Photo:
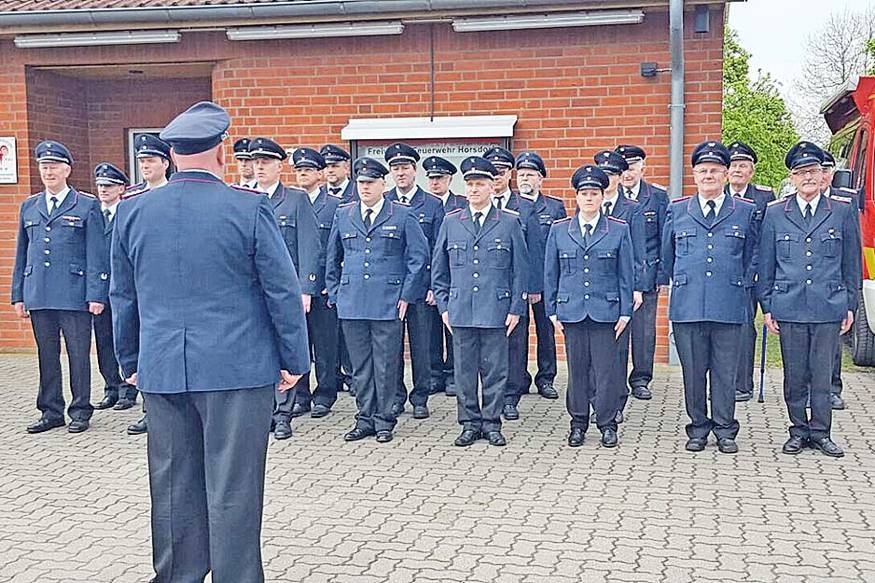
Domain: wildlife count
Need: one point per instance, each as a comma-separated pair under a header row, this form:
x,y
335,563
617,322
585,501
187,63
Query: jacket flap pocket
x,y
76,269
738,234
349,235
460,245
28,270
562,298
393,280
568,253
498,246
344,279
612,296
786,236
781,286
454,292
736,280
830,236
684,233
679,279
390,234
502,294
606,254
836,286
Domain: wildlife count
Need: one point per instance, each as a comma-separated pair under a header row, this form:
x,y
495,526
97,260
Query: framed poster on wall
x,y
8,161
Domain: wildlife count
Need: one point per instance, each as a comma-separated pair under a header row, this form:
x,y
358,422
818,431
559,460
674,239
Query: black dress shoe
x,y
547,391
642,393
123,404
78,425
397,409
45,425
609,438
298,409
727,445
139,427
794,445
421,412
282,429
836,402
319,411
741,396
384,436
106,402
826,445
451,389
696,444
357,434
467,437
575,438
510,412
496,438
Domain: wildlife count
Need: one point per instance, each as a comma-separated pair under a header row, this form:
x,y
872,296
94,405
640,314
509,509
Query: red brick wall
x,y
576,91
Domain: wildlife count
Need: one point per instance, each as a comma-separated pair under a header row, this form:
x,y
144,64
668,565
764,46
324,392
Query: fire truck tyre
x,y
862,339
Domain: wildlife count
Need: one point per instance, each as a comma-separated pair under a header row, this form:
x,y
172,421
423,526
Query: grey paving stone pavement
x,y
75,508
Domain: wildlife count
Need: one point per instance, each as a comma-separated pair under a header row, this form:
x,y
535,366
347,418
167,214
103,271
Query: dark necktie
x,y
498,202
477,224
403,199
608,208
54,206
107,216
808,213
587,231
712,211
368,221
629,194
335,190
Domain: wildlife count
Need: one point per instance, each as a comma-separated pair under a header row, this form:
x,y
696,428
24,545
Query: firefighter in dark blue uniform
x,y
654,202
530,174
439,173
809,270
244,163
429,213
589,276
111,184
297,222
338,184
619,206
708,252
480,280
322,322
743,160
207,318
374,270
850,196
59,280
505,198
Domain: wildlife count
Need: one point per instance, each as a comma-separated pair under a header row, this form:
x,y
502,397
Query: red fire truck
x,y
850,116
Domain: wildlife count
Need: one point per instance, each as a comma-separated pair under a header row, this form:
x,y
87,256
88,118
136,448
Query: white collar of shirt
x,y
802,202
60,196
378,206
613,201
636,190
827,193
718,203
339,188
314,194
111,208
531,197
408,195
739,193
164,181
505,198
484,212
271,190
444,197
592,223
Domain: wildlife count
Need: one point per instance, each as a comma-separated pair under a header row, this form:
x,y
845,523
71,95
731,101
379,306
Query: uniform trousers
x,y
376,358
48,325
481,359
708,352
207,454
106,360
418,323
808,354
591,351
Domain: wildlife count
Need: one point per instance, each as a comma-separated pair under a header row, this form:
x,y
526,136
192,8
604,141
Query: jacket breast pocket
x,y
684,241
568,261
499,254
458,251
831,243
350,240
426,223
607,261
391,241
287,222
786,244
651,223
736,238
77,270
679,279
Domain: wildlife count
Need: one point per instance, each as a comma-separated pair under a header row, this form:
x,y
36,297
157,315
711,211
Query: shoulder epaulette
x,y
36,194
347,204
616,220
781,200
245,189
85,193
764,187
746,201
434,196
850,191
511,212
454,211
563,220
659,186
681,199
840,198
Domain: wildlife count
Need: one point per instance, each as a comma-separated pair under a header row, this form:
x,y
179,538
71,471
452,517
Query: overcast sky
x,y
774,31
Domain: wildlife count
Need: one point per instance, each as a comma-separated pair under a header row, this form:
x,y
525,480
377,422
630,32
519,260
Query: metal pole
x,y
676,109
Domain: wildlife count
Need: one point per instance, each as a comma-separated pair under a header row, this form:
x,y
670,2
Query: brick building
x,y
90,72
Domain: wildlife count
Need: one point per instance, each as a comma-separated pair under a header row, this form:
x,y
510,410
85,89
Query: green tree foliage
x,y
870,49
755,113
